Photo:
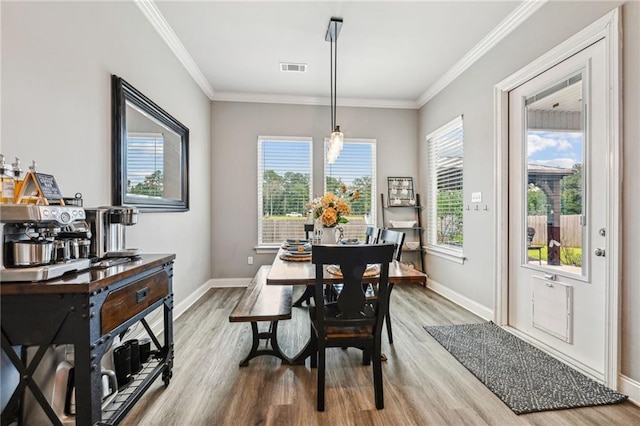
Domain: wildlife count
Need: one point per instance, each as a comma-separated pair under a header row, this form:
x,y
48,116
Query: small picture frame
x,y
401,191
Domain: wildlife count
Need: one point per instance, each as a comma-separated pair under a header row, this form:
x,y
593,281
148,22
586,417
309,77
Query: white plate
x,y
297,253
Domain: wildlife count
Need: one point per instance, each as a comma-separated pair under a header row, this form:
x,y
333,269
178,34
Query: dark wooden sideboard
x,y
88,310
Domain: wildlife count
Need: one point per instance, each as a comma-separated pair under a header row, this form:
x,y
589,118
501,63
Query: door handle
x,y
551,277
599,252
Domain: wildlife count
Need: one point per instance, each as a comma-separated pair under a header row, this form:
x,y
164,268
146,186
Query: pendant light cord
x,y
335,79
331,83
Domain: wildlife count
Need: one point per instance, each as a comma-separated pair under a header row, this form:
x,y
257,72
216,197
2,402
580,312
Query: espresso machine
x,y
108,237
41,242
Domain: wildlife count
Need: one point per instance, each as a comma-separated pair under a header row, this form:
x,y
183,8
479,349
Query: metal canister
x,y
61,250
80,248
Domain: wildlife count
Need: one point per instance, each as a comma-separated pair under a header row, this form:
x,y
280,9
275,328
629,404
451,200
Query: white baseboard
x,y
629,387
229,282
463,301
158,325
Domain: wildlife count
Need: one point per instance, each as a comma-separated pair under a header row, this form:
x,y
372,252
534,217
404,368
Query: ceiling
x,y
392,54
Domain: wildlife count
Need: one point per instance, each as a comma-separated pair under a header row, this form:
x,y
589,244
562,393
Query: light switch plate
x,y
476,197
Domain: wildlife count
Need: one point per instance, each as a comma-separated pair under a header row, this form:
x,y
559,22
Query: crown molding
x,y
511,22
151,12
515,18
312,100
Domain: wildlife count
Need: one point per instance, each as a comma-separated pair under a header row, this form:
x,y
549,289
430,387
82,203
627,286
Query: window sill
x,y
452,255
266,249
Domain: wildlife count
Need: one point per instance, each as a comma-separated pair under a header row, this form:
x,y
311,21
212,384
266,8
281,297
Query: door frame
x,y
607,28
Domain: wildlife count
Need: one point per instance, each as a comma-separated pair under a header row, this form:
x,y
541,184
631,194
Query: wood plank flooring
x,y
423,383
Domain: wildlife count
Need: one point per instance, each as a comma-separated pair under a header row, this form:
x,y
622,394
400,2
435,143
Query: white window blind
x,y
145,164
356,169
284,188
445,203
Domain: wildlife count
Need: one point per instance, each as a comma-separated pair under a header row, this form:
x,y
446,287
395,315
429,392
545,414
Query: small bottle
x,y
17,175
7,183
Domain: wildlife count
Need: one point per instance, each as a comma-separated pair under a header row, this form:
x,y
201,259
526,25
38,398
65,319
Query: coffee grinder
x,y
108,237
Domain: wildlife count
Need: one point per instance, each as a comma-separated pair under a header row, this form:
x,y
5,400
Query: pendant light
x,y
336,141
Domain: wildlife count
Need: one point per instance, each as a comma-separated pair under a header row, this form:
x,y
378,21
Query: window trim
x,y
445,251
270,247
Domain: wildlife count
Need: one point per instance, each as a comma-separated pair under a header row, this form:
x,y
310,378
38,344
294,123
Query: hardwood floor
x,y
423,383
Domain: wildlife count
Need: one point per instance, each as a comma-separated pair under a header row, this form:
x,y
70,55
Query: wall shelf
x,y
414,233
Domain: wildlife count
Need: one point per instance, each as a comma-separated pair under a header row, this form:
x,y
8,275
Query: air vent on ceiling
x,y
291,67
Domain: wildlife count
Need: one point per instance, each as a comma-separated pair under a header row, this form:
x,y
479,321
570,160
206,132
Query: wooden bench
x,y
262,302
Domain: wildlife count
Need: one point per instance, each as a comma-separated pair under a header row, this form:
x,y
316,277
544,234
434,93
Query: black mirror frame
x,y
121,92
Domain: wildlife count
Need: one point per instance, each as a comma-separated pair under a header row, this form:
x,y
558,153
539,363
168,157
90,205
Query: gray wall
x,y
630,191
472,95
57,61
234,134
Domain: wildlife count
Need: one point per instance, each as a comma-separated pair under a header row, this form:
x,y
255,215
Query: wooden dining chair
x,y
397,239
371,235
352,320
308,292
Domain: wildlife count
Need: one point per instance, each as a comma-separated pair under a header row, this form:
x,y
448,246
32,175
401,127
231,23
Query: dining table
x,y
297,272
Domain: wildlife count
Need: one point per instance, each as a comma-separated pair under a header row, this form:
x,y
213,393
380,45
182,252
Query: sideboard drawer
x,y
125,302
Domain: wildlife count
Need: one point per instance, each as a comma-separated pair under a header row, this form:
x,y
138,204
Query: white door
x,y
557,293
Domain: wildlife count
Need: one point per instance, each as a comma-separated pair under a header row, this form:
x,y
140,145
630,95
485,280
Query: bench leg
x,y
305,297
271,336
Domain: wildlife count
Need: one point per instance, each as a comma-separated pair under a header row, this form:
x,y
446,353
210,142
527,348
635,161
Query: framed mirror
x,y
150,153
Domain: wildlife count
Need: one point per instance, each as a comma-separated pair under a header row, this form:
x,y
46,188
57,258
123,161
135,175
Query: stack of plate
x,y
293,243
304,250
297,249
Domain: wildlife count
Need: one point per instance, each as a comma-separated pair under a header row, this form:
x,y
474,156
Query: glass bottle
x,y
7,183
17,175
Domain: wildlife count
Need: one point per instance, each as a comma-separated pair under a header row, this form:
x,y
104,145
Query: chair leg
x,y
366,356
377,376
321,368
387,317
314,349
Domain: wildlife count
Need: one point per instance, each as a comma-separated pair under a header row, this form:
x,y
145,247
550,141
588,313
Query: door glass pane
x,y
553,232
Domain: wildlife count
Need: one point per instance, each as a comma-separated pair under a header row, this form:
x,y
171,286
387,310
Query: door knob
x,y
599,252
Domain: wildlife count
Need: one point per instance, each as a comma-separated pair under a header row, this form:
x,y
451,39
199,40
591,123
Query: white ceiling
x,y
389,53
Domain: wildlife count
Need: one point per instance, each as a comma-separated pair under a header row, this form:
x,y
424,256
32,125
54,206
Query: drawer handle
x,y
142,294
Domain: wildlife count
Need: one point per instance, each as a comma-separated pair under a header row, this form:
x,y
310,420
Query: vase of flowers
x,y
329,211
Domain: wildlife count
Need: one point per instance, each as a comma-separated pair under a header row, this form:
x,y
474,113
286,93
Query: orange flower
x,y
329,216
331,209
328,199
342,207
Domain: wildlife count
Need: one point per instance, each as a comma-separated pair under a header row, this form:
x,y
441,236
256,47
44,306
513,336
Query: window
x,y
444,192
145,164
356,169
284,188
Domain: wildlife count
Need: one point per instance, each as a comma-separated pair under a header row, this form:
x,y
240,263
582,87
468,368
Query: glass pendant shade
x,y
337,138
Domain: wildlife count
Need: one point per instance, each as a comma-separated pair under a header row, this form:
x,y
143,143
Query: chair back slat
x,y
388,236
372,234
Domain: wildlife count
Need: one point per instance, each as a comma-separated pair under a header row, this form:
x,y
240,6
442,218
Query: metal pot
x,y
32,253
